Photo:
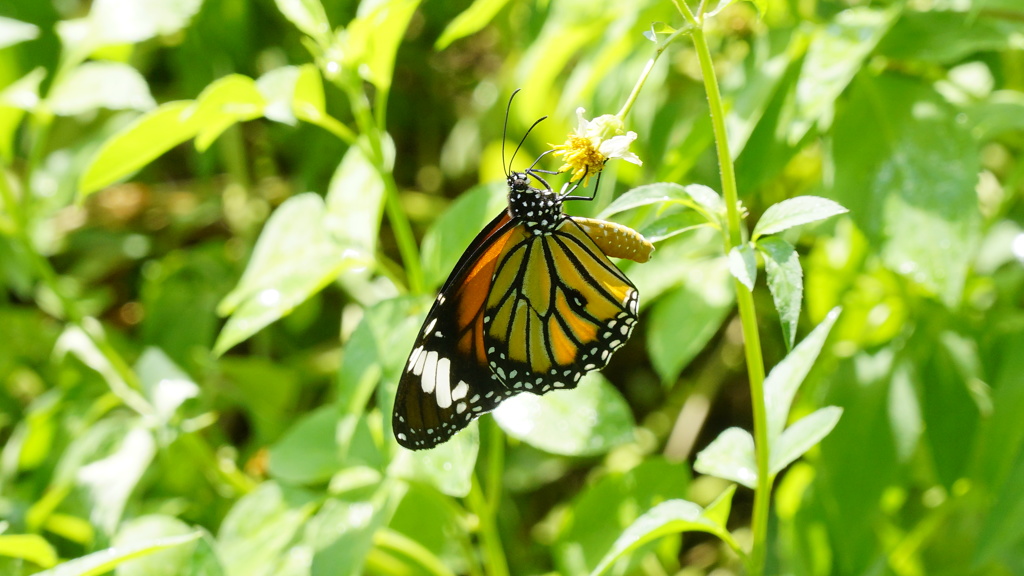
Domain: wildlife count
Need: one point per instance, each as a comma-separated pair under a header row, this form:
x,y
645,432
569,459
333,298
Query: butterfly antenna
x,y
504,130
530,129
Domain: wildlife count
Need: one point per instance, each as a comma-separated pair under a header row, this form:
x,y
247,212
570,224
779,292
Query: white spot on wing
x,y
444,384
460,391
429,372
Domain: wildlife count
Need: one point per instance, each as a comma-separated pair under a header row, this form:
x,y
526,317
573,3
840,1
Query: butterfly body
x,y
533,305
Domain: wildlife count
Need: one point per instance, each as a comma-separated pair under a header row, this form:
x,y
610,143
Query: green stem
x,y
647,72
496,564
734,236
400,225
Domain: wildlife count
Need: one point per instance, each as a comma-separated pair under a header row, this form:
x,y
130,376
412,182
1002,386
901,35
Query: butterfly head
x,y
538,209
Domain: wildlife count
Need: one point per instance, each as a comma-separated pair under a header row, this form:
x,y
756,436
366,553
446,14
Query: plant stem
x,y
496,563
647,72
734,236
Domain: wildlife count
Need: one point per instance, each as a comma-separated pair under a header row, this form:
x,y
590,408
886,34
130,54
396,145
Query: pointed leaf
x,y
718,510
730,456
31,547
470,21
355,202
743,265
694,195
99,563
447,467
374,36
803,435
670,517
308,16
673,224
589,420
783,381
139,144
15,32
294,258
166,385
95,85
794,212
785,281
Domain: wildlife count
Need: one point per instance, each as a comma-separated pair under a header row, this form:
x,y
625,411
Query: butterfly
x,y
532,305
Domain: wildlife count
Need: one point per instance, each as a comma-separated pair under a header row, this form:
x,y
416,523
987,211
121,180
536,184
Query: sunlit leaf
x,y
786,377
294,258
355,202
138,144
260,526
470,21
910,182
589,420
31,547
448,467
112,22
95,85
374,36
166,385
785,281
836,52
187,559
667,192
110,481
226,101
801,436
794,212
99,563
308,453
730,456
946,36
15,32
743,265
308,16
671,517
673,224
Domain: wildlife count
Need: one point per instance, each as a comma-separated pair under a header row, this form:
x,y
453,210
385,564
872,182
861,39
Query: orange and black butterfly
x,y
533,305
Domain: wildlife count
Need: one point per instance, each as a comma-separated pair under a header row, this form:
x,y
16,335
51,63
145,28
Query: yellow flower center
x,y
580,156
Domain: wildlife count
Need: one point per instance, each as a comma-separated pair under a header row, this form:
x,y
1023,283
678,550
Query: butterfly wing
x,y
447,381
558,309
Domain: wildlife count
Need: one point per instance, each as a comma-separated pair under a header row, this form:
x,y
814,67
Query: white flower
x,y
593,143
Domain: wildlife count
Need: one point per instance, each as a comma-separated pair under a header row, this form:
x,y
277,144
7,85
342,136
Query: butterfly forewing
x,y
446,381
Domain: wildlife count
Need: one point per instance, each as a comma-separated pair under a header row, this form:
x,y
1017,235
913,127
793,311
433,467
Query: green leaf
x,y
910,182
447,467
110,481
278,88
308,452
373,38
683,321
188,559
15,100
801,436
453,231
947,36
673,224
785,281
294,258
15,32
589,531
1001,112
592,419
743,265
115,22
694,195
99,563
139,144
309,17
786,377
95,85
355,203
259,527
1004,525
31,547
730,456
226,101
166,385
836,53
718,510
671,517
342,533
795,212
470,21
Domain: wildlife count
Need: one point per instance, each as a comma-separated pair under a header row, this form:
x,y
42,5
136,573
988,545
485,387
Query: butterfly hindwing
x,y
565,310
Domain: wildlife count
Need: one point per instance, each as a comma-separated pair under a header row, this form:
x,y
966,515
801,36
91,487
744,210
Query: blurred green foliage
x,y
222,223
